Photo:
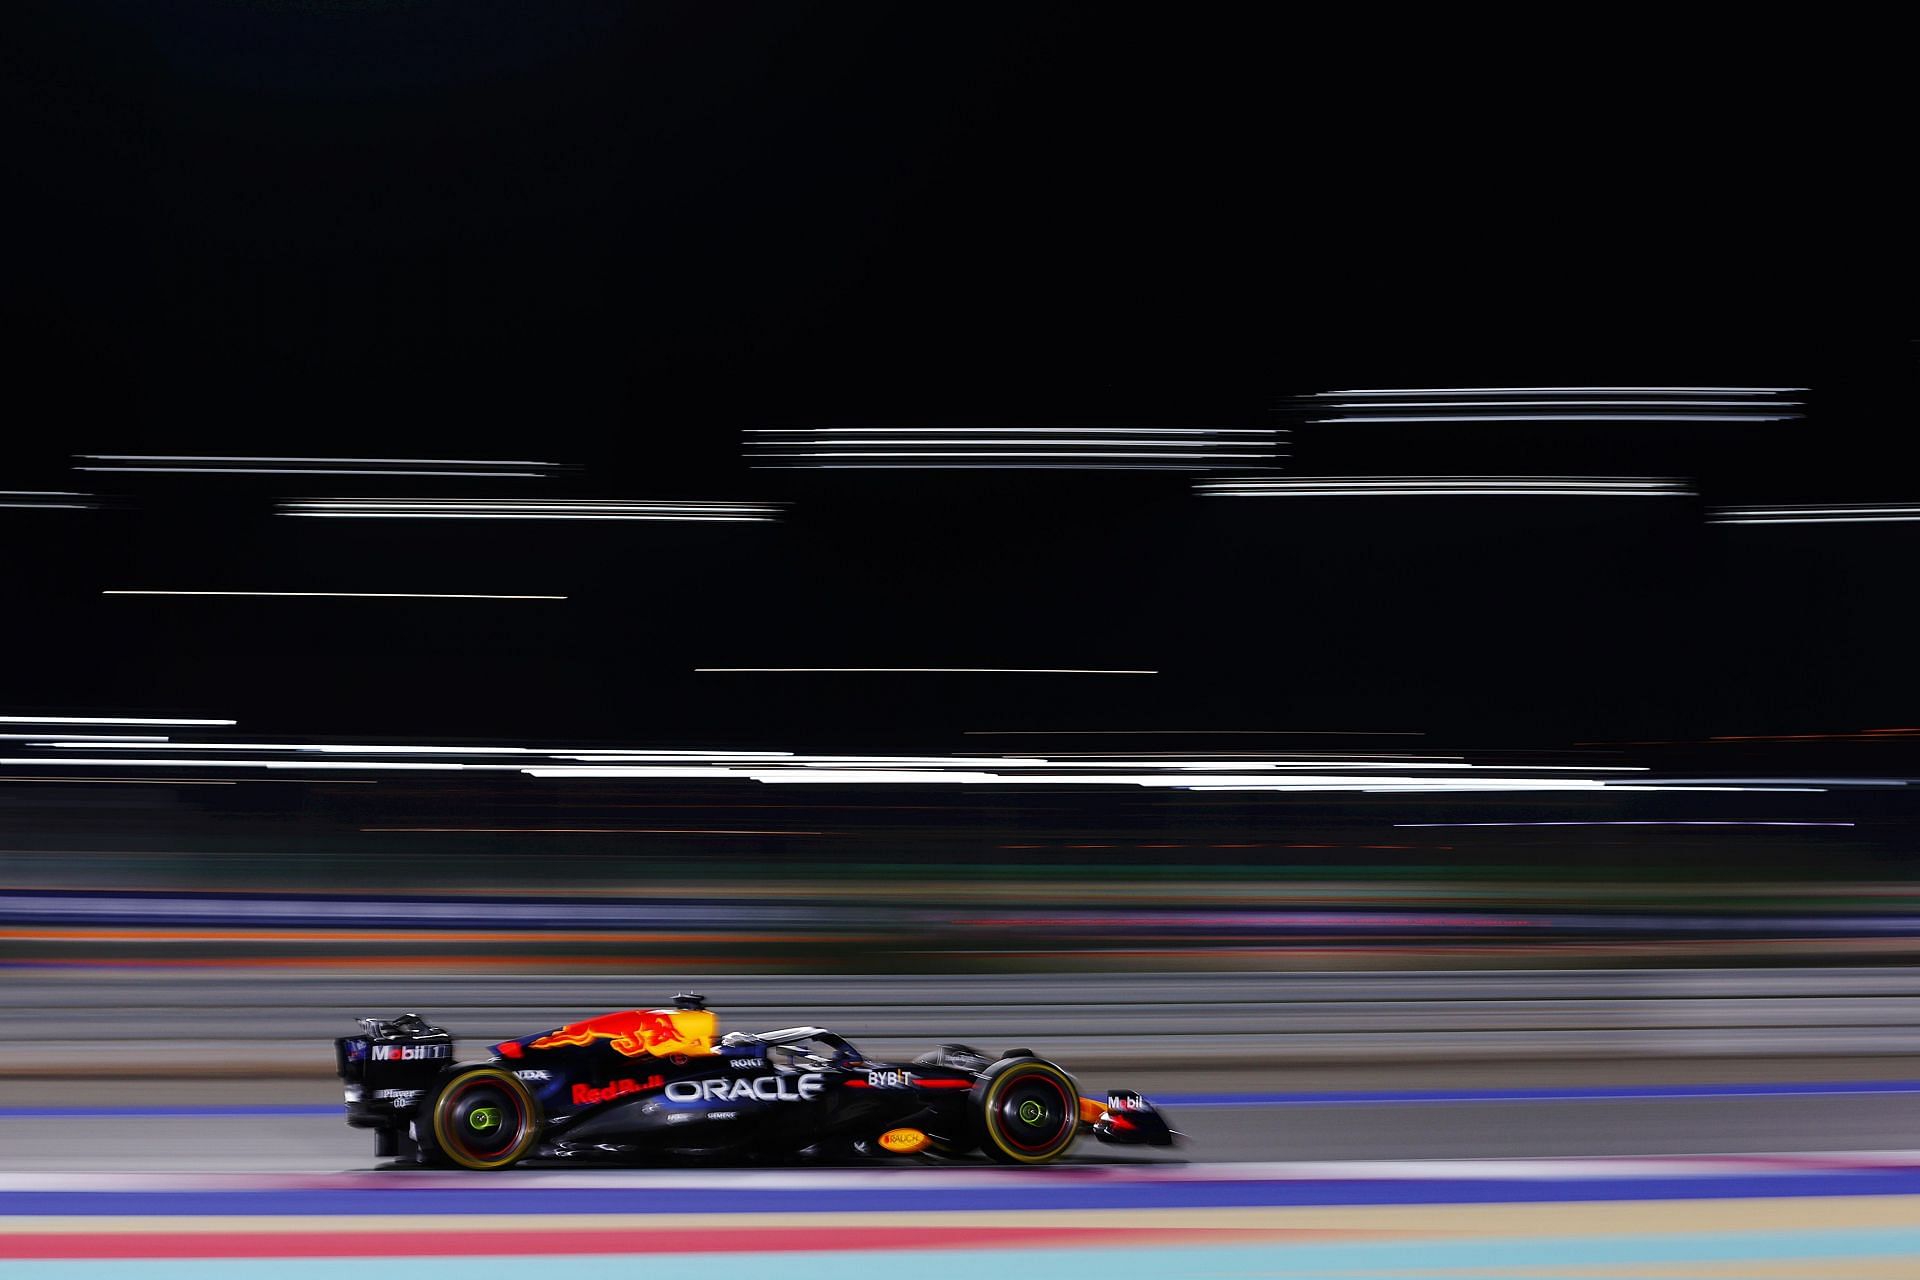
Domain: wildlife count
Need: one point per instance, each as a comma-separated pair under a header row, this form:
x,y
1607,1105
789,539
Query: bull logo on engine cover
x,y
637,1032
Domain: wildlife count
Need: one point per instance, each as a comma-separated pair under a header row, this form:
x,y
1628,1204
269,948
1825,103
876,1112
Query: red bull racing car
x,y
646,1084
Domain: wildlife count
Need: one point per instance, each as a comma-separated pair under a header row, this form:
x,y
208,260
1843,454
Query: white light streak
x,y
1318,759
1193,782
640,756
38,500
636,757
132,782
992,431
1814,782
372,764
103,720
530,504
978,453
1036,447
1218,775
1197,446
835,762
1040,671
397,462
1370,782
175,763
666,760
46,738
1565,417
249,465
986,466
1847,513
1138,733
1003,762
517,509
1556,404
312,471
1285,482
514,515
821,776
631,771
1420,785
340,595
706,763
1501,391
606,831
1298,774
65,741
558,753
1444,486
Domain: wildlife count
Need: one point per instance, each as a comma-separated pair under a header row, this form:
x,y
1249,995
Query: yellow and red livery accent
x,y
639,1032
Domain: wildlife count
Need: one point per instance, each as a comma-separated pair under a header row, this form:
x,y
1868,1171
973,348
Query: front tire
x,y
1025,1111
479,1118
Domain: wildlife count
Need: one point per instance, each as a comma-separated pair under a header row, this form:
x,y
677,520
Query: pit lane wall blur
x,y
253,854
814,922
72,1022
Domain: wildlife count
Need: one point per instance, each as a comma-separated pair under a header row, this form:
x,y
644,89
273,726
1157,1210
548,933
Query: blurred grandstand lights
x,y
1298,773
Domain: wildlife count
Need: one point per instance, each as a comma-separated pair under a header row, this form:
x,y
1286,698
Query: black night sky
x,y
619,236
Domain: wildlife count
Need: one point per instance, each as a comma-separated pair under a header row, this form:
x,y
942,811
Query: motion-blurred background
x,y
617,497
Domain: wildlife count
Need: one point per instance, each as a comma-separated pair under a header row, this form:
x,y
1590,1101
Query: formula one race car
x,y
655,1083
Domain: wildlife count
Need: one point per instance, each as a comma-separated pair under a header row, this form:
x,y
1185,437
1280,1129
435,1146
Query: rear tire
x,y
1025,1111
479,1118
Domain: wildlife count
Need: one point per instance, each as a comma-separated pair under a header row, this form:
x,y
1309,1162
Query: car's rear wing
x,y
388,1069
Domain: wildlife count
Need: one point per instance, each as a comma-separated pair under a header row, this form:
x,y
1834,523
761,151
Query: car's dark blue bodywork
x,y
638,1085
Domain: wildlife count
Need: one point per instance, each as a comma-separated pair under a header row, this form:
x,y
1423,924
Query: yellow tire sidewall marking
x,y
513,1085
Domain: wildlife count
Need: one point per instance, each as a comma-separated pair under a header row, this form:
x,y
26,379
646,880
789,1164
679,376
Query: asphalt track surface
x,y
1743,1168
295,1125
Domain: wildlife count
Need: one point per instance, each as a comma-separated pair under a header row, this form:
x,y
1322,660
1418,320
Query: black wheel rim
x,y
484,1118
1033,1111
